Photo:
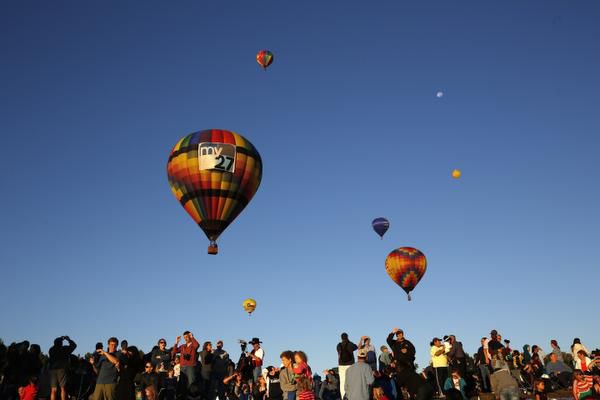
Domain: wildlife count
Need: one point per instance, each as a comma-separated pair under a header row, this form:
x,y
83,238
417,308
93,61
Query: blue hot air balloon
x,y
380,225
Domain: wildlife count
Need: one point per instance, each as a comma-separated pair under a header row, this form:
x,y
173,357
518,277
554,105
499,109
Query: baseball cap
x,y
362,353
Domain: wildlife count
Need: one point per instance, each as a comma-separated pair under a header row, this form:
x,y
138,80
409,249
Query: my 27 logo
x,y
216,156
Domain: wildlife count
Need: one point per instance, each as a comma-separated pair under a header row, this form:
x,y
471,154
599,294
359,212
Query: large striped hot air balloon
x,y
406,266
214,174
264,58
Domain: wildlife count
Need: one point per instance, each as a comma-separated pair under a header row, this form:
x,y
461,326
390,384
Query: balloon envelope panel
x,y
406,266
214,197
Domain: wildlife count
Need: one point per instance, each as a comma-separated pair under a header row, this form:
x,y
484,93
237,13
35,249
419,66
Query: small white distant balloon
x,y
439,94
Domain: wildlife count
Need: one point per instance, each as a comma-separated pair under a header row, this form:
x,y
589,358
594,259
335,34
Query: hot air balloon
x,y
456,173
380,225
249,305
214,174
264,58
406,266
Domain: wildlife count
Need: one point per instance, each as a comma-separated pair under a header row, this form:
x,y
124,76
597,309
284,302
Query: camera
x,y
187,357
506,341
243,345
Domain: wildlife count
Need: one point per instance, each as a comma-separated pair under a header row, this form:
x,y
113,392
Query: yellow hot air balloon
x,y
456,173
249,305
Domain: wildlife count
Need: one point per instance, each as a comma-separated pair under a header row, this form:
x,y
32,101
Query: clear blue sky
x,y
94,94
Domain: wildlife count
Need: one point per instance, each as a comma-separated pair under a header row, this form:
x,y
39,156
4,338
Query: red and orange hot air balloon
x,y
406,266
264,58
214,174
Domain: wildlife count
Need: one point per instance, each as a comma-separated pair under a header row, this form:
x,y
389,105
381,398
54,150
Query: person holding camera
x,y
57,364
106,366
189,357
439,362
456,355
345,350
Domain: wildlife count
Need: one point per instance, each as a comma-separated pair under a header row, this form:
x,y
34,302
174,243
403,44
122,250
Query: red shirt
x,y
29,392
306,395
583,386
186,350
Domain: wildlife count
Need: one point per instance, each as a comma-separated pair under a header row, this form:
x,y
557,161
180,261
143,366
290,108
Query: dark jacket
x,y
60,356
345,350
456,351
406,358
163,357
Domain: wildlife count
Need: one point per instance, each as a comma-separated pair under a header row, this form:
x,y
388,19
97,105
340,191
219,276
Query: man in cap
x,y
258,355
345,350
494,343
358,378
404,351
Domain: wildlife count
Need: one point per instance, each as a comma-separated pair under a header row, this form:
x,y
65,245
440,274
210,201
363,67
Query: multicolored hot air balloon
x,y
406,266
249,305
214,174
456,173
380,225
264,58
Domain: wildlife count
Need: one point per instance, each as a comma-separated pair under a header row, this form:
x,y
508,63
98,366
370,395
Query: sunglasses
x,y
162,342
148,366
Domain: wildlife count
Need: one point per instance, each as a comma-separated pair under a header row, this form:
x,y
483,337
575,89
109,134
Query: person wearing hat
x,y
439,362
504,385
358,378
345,350
258,355
494,343
365,343
403,350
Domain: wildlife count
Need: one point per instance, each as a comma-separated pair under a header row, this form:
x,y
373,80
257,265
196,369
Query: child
x,y
300,366
539,390
304,388
455,381
378,394
30,391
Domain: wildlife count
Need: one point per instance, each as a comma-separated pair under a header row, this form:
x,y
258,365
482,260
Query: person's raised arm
x,y
175,348
72,344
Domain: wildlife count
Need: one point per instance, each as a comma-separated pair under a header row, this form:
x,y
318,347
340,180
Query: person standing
x,y
359,377
482,361
189,357
219,369
365,343
57,364
456,355
107,371
161,356
258,355
403,350
439,362
206,358
287,380
345,350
